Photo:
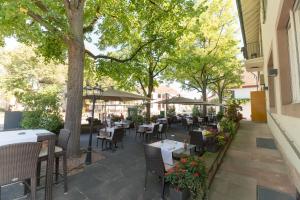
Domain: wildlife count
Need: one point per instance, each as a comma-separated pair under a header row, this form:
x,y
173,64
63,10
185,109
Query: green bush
x,y
154,118
138,119
196,112
232,111
220,115
228,125
171,112
42,110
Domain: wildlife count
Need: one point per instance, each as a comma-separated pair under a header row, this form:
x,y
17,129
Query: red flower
x,y
183,160
194,164
183,170
196,174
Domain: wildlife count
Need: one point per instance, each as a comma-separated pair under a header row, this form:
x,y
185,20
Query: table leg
x,y
49,169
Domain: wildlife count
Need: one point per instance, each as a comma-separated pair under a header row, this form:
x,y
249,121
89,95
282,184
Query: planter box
x,y
213,148
179,195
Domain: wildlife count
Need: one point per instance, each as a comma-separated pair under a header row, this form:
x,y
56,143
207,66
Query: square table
x,y
169,147
34,135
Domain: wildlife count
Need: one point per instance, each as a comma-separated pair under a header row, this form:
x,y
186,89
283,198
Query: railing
x,y
252,50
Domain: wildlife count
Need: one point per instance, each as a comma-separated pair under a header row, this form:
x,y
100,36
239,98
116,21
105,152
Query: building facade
x,y
271,35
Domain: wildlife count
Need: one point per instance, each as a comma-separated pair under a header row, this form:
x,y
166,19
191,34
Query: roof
x,y
249,14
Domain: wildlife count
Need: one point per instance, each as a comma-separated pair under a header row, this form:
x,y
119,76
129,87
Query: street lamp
x,y
92,93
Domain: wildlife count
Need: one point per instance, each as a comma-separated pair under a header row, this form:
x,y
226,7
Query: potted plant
x,y
187,178
221,141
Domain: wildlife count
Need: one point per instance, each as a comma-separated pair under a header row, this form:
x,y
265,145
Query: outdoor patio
x,y
120,174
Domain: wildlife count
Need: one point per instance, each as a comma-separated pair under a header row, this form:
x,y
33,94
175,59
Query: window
x,y
293,30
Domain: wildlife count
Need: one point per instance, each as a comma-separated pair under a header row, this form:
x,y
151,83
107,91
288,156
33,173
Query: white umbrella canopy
x,y
187,101
112,94
179,100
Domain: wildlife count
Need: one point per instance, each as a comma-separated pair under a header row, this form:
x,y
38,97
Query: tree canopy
x,y
207,54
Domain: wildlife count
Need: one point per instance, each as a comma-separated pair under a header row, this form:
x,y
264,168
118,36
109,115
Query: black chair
x,y
116,138
19,163
196,122
60,151
130,127
196,138
163,131
185,124
155,165
152,133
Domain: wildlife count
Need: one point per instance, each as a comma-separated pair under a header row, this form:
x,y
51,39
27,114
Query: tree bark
x,y
220,95
204,98
75,79
149,95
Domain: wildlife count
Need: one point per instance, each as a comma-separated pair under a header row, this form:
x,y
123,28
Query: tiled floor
x,y
245,166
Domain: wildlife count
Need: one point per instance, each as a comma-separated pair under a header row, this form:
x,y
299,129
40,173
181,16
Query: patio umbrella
x,y
112,94
179,100
187,101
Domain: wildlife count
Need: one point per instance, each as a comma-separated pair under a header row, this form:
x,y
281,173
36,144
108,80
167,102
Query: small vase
x,y
178,194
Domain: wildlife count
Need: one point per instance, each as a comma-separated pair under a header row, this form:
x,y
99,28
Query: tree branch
x,y
101,56
89,28
41,21
142,86
162,69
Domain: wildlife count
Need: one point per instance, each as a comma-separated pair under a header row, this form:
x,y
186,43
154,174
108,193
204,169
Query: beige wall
x,y
290,125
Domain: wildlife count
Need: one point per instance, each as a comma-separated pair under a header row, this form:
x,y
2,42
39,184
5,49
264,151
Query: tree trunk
x,y
148,108
220,95
75,79
149,95
204,98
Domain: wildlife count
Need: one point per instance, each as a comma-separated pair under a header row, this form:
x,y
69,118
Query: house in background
x,y
250,84
271,35
161,93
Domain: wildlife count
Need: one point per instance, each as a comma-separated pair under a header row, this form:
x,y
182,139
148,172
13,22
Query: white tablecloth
x,y
189,121
20,136
109,131
123,124
167,147
149,127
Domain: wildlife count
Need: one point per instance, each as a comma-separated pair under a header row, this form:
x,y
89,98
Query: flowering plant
x,y
221,140
188,174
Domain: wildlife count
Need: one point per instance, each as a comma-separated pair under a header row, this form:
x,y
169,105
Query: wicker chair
x,y
163,131
116,138
196,138
155,165
19,163
60,151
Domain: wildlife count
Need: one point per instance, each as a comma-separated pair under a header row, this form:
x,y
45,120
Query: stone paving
x,y
245,166
120,175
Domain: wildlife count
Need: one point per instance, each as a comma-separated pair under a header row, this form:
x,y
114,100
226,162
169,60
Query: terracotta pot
x,y
178,194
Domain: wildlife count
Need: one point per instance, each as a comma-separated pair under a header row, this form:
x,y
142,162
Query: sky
x,y
11,43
